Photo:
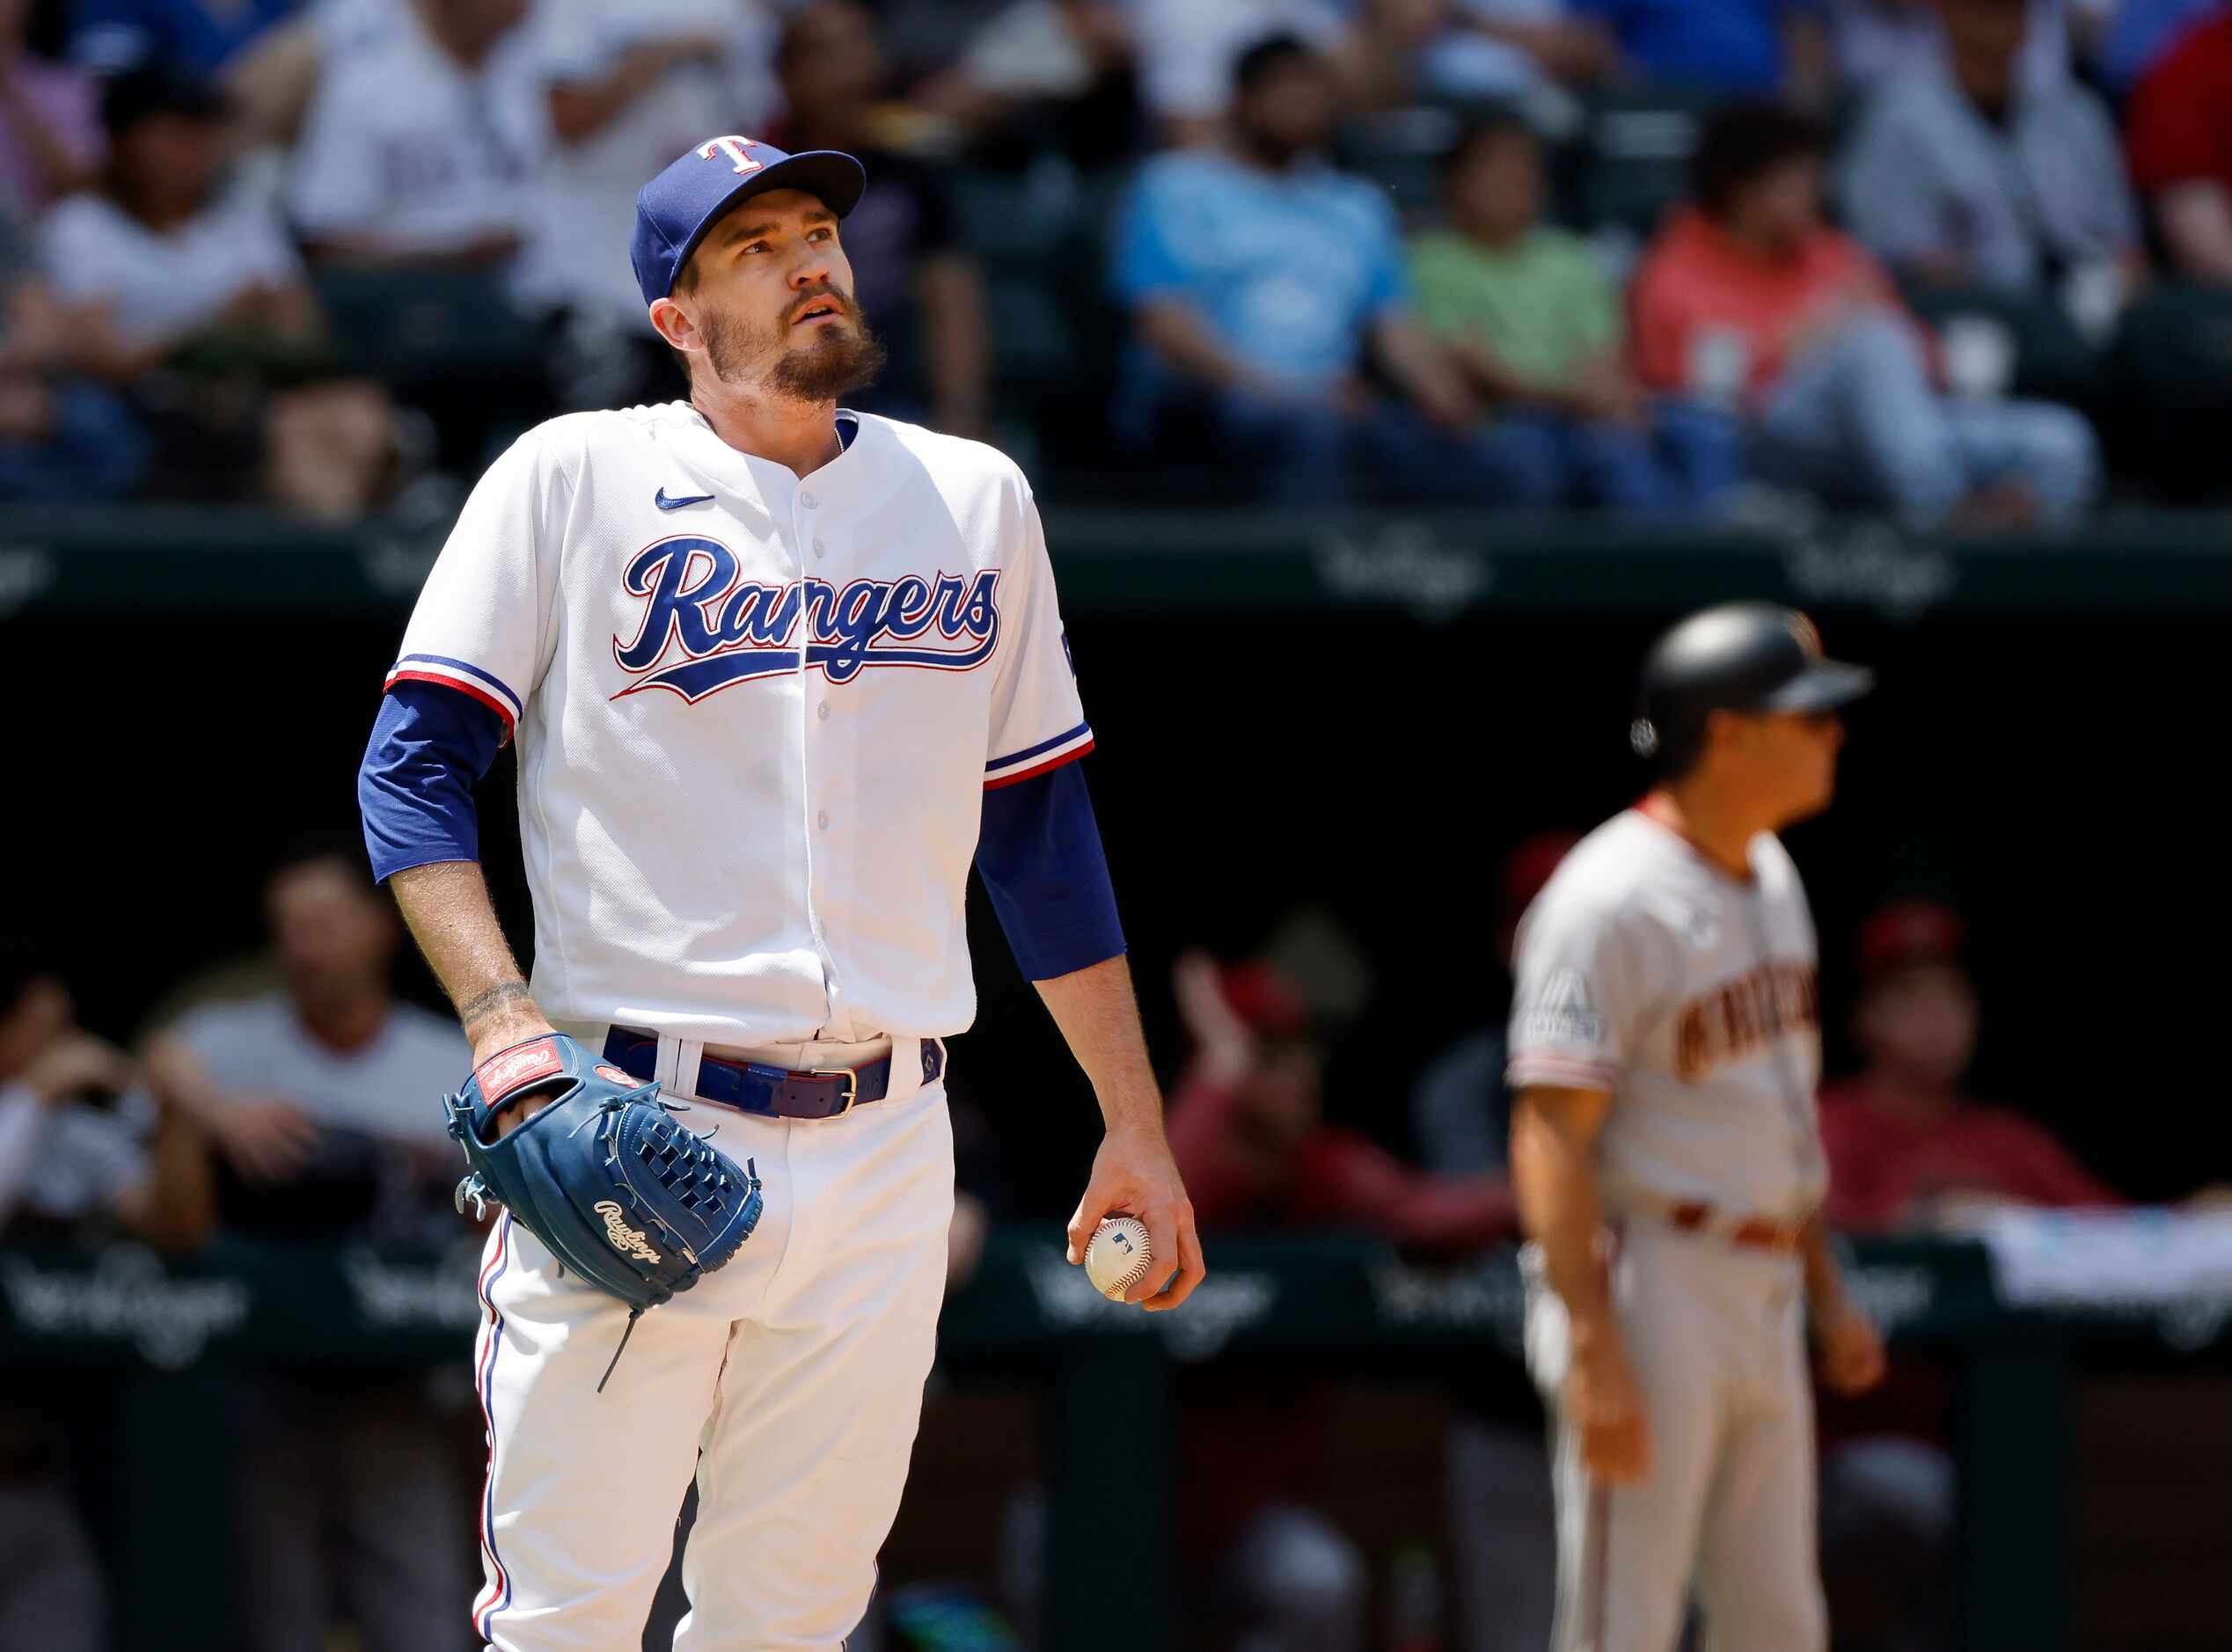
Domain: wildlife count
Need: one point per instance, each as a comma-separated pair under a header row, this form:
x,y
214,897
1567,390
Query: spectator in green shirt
x,y
1535,325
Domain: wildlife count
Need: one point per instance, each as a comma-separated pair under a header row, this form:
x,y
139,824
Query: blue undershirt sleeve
x,y
1039,851
428,747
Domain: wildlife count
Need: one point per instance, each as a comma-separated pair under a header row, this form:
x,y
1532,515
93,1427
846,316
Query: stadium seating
x,y
2172,365
1631,162
2051,359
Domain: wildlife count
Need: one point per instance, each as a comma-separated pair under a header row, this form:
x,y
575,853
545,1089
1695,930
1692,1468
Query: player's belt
x,y
771,1092
1756,1232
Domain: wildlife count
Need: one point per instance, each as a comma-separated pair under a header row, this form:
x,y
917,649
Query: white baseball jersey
x,y
402,142
1646,971
164,284
756,714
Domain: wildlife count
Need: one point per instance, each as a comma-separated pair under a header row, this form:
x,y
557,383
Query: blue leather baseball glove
x,y
622,1194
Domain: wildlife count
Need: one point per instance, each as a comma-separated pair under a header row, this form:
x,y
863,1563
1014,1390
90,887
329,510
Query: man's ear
x,y
673,324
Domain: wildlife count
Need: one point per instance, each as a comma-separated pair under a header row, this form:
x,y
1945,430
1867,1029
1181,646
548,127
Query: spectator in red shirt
x,y
1906,1148
2180,127
1247,1131
1750,300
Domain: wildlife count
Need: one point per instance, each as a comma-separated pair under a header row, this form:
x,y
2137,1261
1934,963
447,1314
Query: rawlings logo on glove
x,y
625,1197
625,1237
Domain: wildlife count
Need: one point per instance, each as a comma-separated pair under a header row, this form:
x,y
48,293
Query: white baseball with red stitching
x,y
1117,1257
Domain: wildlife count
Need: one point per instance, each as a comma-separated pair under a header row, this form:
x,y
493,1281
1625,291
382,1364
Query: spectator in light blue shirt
x,y
1259,280
1751,49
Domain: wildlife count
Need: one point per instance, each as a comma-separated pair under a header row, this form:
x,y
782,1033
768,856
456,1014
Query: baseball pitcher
x,y
777,673
1666,1046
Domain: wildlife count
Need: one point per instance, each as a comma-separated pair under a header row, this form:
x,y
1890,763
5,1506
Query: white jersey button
x,y
806,499
823,819
823,711
820,549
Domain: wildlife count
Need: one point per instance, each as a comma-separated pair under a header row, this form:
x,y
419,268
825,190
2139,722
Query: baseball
x,y
1115,1257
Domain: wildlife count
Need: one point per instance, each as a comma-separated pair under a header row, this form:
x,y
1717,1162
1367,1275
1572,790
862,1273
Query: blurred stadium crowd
x,y
1965,261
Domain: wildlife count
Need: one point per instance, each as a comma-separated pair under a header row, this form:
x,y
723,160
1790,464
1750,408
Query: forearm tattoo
x,y
481,1005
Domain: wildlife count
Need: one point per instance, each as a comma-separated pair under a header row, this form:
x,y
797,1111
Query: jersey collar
x,y
853,476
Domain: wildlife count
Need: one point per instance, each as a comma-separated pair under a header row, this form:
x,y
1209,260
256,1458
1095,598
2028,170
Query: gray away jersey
x,y
1647,972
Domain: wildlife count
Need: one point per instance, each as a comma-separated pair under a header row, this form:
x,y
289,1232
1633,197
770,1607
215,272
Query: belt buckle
x,y
852,1077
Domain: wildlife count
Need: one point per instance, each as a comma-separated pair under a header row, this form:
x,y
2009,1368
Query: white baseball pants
x,y
789,1384
1716,1334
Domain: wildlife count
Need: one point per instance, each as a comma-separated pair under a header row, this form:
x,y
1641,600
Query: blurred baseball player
x,y
1665,1045
777,672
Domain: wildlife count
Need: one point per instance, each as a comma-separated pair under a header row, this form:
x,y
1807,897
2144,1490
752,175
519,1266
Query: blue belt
x,y
771,1092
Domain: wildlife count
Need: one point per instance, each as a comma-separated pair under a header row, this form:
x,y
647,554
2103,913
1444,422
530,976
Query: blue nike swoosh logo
x,y
664,503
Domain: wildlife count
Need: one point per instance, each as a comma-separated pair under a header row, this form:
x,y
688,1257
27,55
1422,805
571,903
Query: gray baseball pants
x,y
1716,1334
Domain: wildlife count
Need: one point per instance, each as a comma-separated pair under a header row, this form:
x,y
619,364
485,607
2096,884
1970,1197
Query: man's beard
x,y
837,360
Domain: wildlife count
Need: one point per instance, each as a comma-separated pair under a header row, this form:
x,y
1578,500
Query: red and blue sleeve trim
x,y
466,677
1032,760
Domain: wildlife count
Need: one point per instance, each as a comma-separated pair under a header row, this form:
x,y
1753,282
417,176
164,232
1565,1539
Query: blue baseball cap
x,y
675,209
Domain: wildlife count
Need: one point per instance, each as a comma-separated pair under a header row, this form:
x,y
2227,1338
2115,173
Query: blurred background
x,y
1479,338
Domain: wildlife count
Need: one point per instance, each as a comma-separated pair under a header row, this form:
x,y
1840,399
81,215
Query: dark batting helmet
x,y
1739,657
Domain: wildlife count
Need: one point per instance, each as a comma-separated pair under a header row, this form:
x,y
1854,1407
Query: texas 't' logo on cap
x,y
733,148
675,209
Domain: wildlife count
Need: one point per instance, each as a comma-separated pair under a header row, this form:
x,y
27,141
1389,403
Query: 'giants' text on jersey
x,y
1735,1017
